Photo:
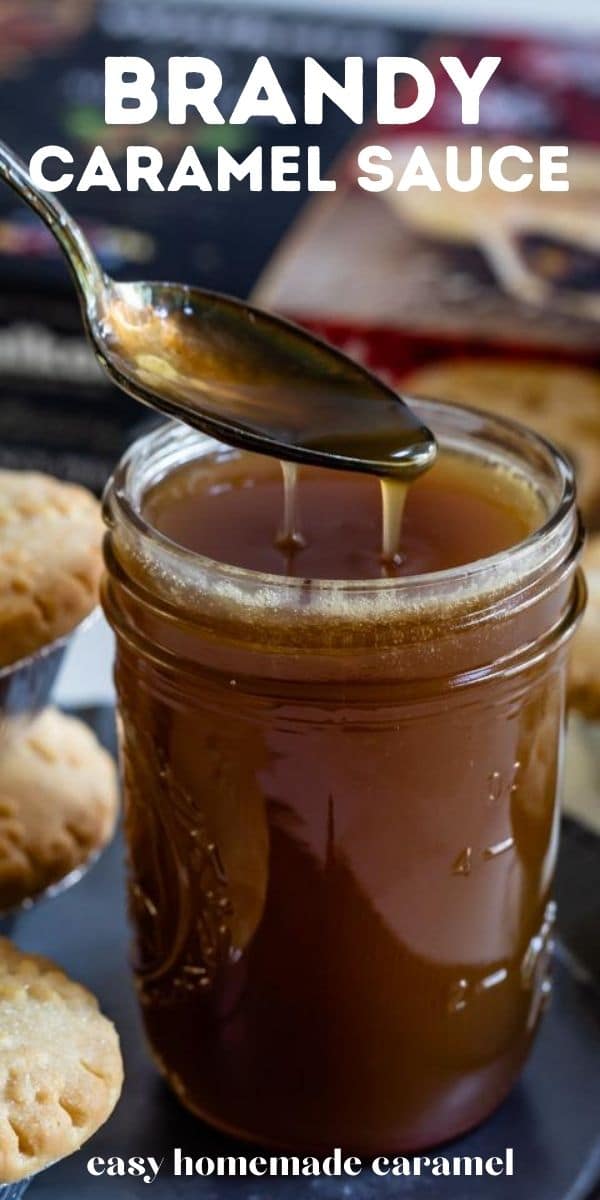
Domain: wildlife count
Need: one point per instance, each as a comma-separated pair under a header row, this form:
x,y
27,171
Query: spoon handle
x,y
86,270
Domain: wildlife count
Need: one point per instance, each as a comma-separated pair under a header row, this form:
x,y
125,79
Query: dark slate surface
x,y
551,1119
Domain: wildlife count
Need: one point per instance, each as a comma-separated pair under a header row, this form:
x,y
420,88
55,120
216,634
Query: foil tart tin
x,y
14,1191
26,685
9,918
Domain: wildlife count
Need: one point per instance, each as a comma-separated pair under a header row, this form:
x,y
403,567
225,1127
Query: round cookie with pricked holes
x,y
581,784
584,663
558,400
61,1071
50,560
58,802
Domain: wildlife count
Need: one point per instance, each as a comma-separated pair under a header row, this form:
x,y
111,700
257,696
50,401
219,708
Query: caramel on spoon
x,y
244,376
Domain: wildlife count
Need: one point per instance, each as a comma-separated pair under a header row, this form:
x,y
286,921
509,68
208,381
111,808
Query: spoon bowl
x,y
254,380
242,375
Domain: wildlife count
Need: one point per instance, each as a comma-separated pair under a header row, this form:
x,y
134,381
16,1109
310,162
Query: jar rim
x,y
172,444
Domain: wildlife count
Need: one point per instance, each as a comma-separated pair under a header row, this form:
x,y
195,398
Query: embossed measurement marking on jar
x,y
464,862
499,848
464,991
501,786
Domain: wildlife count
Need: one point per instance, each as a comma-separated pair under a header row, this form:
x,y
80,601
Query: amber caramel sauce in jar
x,y
341,780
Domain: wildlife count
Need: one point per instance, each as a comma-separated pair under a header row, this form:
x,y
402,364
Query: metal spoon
x,y
242,375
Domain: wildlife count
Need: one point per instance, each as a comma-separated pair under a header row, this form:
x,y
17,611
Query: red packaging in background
x,y
486,297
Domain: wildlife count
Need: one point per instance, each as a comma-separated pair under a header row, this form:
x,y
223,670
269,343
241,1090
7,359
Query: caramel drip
x,y
393,500
289,540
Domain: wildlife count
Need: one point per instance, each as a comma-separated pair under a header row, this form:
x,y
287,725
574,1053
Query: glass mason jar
x,y
341,814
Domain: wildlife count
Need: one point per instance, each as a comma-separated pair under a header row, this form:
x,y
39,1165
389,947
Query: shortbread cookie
x,y
559,401
61,1071
50,560
58,803
581,784
584,669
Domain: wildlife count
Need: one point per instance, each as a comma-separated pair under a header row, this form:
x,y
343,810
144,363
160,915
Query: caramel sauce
x,y
230,510
341,839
